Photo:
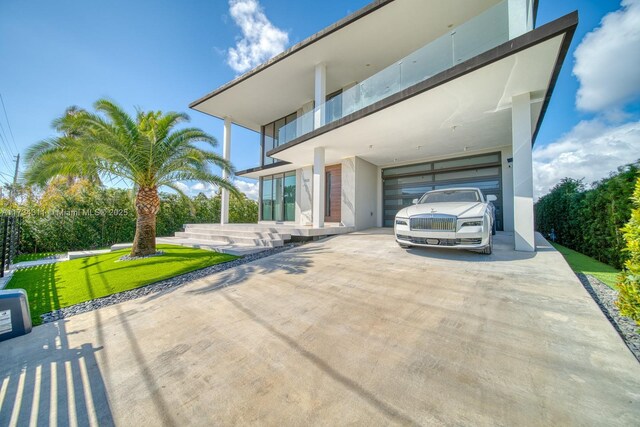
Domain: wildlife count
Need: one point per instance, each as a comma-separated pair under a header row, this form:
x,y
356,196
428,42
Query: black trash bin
x,y
15,318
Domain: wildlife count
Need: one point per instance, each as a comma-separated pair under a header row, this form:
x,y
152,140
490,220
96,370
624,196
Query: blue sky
x,y
161,55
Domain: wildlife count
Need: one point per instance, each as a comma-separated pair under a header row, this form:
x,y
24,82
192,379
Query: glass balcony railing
x,y
481,33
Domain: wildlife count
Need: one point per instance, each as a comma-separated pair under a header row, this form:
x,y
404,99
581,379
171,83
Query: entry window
x,y
278,197
327,202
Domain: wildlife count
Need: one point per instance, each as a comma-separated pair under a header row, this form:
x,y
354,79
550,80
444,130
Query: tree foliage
x,y
629,282
590,220
147,151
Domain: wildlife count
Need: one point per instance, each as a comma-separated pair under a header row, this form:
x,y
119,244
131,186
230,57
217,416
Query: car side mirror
x,y
415,201
492,198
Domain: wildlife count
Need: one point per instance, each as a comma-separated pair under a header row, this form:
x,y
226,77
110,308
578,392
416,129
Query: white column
x,y
226,154
522,173
318,187
519,19
320,92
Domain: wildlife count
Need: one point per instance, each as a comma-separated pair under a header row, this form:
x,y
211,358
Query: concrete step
x,y
226,239
239,233
239,250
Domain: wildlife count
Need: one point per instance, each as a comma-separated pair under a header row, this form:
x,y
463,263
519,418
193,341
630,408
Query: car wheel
x,y
493,228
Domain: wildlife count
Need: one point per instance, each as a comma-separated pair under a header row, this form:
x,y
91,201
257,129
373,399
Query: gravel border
x,y
605,297
154,288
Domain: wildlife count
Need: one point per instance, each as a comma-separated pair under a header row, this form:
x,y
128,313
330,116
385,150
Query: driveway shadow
x,y
296,262
45,382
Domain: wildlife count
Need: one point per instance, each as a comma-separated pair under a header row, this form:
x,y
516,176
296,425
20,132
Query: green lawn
x,y
63,284
583,264
32,257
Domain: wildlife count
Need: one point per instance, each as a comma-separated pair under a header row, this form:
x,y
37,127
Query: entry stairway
x,y
243,239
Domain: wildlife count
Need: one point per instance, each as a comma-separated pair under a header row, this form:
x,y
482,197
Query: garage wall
x,y
507,189
366,194
359,193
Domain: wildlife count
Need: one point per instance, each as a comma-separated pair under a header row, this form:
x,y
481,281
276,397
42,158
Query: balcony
x,y
482,33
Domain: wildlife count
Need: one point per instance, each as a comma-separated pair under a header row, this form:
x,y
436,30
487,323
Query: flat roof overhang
x,y
464,109
392,29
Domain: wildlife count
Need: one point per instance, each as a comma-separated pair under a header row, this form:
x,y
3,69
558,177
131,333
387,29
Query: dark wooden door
x,y
333,193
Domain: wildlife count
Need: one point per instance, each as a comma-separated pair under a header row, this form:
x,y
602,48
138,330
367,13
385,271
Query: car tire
x,y
493,228
488,250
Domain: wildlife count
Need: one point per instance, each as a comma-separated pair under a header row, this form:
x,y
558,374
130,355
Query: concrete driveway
x,y
350,330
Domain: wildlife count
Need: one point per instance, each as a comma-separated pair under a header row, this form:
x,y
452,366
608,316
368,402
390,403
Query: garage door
x,y
404,183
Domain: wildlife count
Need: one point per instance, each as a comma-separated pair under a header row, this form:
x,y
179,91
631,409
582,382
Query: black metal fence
x,y
9,238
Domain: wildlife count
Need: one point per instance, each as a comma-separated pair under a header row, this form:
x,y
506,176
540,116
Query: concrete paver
x,y
348,330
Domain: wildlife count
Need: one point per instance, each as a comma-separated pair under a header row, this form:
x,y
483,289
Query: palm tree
x,y
146,151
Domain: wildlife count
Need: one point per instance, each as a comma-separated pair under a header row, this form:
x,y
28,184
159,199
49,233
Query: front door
x,y
333,192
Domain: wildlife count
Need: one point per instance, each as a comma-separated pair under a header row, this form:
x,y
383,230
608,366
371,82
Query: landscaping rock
x,y
133,258
605,297
157,287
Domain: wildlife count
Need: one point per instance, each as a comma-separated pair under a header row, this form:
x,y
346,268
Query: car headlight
x,y
472,223
402,221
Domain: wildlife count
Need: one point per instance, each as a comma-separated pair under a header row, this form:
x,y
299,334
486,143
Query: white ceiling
x,y
379,39
467,114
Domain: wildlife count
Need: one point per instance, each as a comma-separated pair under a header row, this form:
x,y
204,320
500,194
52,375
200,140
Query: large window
x,y
278,197
274,133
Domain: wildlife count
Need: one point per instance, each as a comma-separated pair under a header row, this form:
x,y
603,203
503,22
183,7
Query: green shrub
x,y
629,283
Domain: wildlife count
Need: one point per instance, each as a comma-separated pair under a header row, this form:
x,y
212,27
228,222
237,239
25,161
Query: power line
x,y
8,124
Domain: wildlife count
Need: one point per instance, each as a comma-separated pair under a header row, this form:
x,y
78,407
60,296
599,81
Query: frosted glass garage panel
x,y
468,161
425,167
465,174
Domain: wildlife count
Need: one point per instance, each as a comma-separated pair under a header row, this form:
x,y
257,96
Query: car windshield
x,y
451,196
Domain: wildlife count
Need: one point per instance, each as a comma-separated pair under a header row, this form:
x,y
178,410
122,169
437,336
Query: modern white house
x,y
398,98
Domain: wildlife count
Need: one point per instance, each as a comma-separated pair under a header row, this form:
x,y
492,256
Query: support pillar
x,y
521,129
318,187
320,93
226,154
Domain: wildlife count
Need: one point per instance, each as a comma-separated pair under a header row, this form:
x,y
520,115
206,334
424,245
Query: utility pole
x,y
15,178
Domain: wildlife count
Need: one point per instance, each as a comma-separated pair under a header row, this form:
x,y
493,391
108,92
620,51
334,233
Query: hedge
x,y
81,216
590,221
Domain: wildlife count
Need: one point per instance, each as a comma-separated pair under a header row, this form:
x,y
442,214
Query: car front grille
x,y
439,242
433,222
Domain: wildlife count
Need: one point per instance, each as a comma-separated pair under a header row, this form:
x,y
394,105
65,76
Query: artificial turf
x,y
63,284
32,257
581,263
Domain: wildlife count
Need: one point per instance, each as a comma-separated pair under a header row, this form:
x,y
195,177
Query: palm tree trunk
x,y
147,207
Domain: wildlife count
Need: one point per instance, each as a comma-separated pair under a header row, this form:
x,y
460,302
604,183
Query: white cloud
x,y
260,41
591,150
182,186
608,61
198,187
248,188
210,190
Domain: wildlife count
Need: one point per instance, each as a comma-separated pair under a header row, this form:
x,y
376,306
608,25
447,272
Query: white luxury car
x,y
457,218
